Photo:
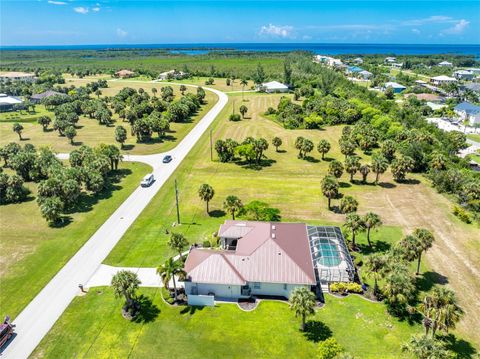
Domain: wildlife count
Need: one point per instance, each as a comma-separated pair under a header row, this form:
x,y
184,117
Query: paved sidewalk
x,y
34,322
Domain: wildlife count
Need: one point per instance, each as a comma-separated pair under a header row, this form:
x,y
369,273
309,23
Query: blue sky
x,y
67,22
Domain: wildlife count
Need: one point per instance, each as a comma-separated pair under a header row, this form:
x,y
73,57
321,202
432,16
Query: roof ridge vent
x,y
273,235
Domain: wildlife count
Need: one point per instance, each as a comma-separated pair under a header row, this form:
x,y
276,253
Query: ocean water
x,y
327,49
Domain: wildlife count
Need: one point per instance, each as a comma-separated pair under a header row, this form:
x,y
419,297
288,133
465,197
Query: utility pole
x,y
176,198
211,145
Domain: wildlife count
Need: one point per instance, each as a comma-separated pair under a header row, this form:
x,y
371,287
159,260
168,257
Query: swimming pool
x,y
327,253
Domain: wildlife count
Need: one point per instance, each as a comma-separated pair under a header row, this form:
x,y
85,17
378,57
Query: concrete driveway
x,y
34,322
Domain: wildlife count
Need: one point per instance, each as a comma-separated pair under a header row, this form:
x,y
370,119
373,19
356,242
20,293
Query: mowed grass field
x,y
32,252
90,133
293,186
219,83
92,327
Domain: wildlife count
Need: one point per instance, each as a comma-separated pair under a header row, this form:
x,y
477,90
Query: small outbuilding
x,y
272,87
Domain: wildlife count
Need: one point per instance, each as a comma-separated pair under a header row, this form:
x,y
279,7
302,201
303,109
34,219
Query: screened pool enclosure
x,y
331,259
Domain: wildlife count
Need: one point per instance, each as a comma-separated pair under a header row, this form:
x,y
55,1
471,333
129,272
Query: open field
x,y
474,137
219,83
93,327
293,186
89,132
152,61
32,252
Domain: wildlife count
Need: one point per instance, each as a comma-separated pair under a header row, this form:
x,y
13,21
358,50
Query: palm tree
x,y
243,83
232,205
354,223
422,347
408,248
167,272
323,147
335,168
364,170
206,193
399,288
178,243
440,310
329,188
374,265
348,204
277,142
125,283
18,128
379,165
302,302
243,110
352,165
371,220
183,88
154,92
425,241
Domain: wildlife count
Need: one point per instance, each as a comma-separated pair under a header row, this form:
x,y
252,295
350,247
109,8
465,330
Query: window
x,y
285,286
257,285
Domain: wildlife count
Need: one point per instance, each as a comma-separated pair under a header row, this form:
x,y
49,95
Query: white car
x,y
147,180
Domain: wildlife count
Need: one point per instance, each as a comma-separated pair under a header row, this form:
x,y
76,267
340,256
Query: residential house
x,y
469,112
442,80
390,60
268,259
124,74
272,87
37,98
365,74
445,64
397,88
353,70
475,87
328,60
464,75
358,60
172,75
9,103
17,76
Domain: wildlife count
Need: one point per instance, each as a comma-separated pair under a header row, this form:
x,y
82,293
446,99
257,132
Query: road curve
x,y
34,322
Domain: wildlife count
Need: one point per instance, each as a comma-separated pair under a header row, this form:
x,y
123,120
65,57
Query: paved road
x,y
34,322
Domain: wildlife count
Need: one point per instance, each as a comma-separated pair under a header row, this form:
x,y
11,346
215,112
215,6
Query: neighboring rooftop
x,y
49,93
274,85
394,85
468,108
9,100
124,73
443,78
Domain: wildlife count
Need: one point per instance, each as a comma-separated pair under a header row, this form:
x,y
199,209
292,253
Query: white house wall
x,y
220,290
276,289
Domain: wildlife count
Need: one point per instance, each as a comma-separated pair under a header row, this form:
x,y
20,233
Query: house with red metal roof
x,y
263,259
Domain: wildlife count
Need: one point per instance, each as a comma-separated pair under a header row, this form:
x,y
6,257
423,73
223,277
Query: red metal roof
x,y
266,252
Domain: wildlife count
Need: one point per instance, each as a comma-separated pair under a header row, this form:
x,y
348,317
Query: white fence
x,y
201,300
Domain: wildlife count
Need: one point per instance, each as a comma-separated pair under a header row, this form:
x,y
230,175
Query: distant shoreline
x,y
320,48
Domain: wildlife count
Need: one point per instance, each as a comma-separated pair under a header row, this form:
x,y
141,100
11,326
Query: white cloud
x,y
276,31
434,19
416,31
458,28
81,9
121,33
95,9
57,2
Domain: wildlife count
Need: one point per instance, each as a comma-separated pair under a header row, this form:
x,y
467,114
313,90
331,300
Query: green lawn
x,y
90,133
474,137
32,252
92,326
23,116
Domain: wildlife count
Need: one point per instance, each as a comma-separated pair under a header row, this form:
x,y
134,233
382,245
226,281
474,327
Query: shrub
x,y
343,288
329,349
462,214
234,117
270,111
206,244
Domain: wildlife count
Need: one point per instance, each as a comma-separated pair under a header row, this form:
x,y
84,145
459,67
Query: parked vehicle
x,y
167,159
147,180
6,331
